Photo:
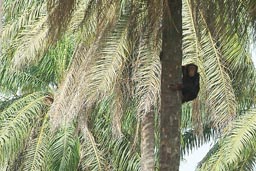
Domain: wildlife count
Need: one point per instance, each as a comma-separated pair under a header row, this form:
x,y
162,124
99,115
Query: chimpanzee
x,y
190,83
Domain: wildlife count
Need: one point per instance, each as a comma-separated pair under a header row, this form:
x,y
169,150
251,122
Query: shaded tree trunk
x,y
171,74
147,142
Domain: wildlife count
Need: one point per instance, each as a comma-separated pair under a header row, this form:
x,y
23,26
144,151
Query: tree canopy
x,y
89,71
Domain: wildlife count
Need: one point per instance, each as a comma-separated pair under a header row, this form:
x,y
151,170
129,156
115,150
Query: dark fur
x,y
190,85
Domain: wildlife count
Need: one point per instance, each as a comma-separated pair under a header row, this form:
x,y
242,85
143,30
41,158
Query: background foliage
x,y
88,71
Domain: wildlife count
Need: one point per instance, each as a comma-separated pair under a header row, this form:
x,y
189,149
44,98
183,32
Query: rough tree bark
x,y
147,142
171,74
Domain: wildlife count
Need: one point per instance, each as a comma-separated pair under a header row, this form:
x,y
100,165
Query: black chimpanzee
x,y
190,83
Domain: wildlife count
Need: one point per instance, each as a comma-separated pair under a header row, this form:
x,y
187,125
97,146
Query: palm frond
x,y
147,68
64,149
20,19
59,16
119,152
237,57
36,154
92,158
190,140
110,63
123,157
221,98
49,69
81,60
199,47
236,148
82,11
12,8
17,120
193,53
100,79
147,78
31,45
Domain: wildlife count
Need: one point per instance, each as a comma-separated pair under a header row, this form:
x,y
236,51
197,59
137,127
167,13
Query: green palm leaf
x,y
36,154
236,150
17,120
92,158
64,150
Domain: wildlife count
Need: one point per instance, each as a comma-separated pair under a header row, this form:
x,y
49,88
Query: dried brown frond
x,y
147,69
76,91
197,118
116,112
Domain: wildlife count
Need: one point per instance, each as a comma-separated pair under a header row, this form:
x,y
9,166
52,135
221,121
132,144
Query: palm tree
x,y
93,84
102,60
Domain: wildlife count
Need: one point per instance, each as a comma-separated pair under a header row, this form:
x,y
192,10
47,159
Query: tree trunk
x,y
171,74
147,142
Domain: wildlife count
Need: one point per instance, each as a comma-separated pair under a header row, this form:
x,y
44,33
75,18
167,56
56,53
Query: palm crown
x,y
102,58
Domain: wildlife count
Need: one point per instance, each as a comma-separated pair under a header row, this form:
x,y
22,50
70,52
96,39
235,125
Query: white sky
x,y
190,161
254,56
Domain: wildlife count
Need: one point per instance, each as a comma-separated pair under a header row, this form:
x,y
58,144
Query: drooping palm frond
x,y
190,140
30,35
31,47
82,57
59,16
98,77
206,42
64,149
100,148
237,57
21,16
221,100
124,157
12,8
236,150
36,155
147,69
49,69
230,41
17,120
147,79
24,32
92,158
230,25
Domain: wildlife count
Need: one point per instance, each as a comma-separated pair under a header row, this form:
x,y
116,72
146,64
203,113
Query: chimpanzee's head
x,y
191,70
